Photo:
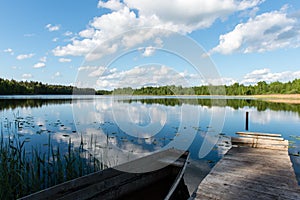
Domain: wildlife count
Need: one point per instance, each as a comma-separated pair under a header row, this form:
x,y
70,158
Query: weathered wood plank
x,y
251,173
271,179
229,192
112,183
265,146
254,190
261,137
260,143
256,152
259,134
261,158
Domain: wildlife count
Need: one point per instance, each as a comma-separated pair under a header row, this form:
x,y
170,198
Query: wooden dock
x,y
259,167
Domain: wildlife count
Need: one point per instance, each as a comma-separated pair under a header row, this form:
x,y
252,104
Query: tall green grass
x,y
24,171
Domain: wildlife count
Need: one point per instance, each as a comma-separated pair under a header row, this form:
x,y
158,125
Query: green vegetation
x,y
235,89
32,102
103,92
24,171
12,87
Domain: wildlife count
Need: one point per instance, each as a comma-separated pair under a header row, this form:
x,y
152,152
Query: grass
x,y
25,171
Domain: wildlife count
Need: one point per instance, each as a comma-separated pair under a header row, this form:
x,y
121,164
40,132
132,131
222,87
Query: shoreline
x,y
275,98
279,98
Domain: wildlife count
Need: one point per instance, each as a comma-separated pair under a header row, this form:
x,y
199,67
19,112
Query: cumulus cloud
x,y
39,65
102,71
26,76
143,76
264,32
148,51
197,13
52,28
87,33
111,4
64,60
268,76
9,50
97,72
166,14
25,56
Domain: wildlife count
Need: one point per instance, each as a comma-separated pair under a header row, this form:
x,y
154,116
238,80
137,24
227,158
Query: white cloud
x,y
43,59
149,51
111,4
39,65
265,32
97,72
142,76
68,33
26,76
102,71
25,56
57,74
9,50
87,33
167,14
51,27
268,76
197,13
64,60
87,68
55,39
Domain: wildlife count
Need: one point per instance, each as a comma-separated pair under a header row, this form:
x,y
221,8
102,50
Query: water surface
x,y
123,128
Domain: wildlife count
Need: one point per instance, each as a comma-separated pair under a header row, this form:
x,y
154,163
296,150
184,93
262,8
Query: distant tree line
x,y
13,87
291,87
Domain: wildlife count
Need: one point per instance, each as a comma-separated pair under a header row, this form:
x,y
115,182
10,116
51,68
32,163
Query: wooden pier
x,y
256,167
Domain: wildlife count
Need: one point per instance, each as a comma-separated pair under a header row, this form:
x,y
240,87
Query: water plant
x,y
25,170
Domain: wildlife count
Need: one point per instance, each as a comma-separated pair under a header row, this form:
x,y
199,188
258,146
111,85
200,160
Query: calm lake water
x,y
122,128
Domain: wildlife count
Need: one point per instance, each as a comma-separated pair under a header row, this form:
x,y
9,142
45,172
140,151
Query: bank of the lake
x,y
279,98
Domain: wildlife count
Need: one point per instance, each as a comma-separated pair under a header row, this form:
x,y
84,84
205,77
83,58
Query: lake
x,y
116,129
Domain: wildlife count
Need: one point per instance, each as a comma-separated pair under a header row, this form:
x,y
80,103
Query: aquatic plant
x,y
26,170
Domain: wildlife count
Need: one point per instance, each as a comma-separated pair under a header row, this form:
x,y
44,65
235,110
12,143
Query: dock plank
x,y
259,134
261,137
261,143
251,173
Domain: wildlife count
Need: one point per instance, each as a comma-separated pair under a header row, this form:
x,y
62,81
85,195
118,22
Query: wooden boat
x,y
165,182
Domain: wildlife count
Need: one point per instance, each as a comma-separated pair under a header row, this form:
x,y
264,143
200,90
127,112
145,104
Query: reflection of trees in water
x,y
30,103
233,103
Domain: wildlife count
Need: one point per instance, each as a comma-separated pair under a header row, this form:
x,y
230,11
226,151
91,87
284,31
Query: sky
x,y
134,43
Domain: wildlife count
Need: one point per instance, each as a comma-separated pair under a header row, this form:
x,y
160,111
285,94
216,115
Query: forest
x,y
13,87
291,87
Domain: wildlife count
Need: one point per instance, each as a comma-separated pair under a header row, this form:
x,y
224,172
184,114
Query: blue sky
x,y
66,42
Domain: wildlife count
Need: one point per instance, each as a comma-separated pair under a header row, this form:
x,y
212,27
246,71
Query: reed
x,y
24,170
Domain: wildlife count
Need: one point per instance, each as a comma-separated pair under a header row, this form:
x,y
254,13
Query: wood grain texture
x,y
260,134
251,173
